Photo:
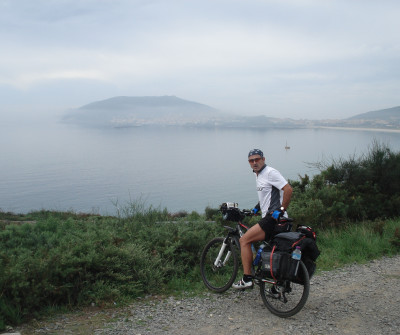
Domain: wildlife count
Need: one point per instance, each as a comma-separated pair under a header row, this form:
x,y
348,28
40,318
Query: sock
x,y
247,278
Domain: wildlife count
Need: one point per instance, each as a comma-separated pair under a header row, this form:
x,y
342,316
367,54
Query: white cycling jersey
x,y
269,183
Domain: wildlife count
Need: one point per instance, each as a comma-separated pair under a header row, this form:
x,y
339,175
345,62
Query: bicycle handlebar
x,y
248,212
231,212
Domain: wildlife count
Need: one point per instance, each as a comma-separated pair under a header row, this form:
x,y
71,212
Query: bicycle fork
x,y
217,261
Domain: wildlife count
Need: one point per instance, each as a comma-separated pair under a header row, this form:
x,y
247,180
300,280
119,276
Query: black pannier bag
x,y
283,244
309,248
275,263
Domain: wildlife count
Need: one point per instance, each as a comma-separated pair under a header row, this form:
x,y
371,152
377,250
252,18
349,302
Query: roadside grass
x,y
357,243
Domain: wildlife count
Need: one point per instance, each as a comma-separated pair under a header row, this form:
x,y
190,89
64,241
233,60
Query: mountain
x,y
383,114
126,111
380,119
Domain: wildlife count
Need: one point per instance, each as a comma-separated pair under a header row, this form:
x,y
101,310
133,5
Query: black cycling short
x,y
267,223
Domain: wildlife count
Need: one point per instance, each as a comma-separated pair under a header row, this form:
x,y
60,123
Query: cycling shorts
x,y
267,224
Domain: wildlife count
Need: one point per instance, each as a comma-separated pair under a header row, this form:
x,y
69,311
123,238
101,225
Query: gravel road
x,y
357,299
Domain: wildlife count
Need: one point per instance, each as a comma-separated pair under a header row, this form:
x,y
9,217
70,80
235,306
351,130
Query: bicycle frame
x,y
234,234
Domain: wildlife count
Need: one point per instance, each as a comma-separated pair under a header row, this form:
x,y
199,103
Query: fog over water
x,y
64,167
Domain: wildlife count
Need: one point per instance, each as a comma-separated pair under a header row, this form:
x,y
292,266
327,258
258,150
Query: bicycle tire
x,y
296,294
218,278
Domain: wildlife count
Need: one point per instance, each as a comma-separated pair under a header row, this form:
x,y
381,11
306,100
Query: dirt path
x,y
358,299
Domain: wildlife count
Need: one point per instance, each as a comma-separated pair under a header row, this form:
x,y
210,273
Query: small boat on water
x,y
286,146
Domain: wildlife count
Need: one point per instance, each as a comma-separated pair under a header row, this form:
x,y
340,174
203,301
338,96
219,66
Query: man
x,y
274,194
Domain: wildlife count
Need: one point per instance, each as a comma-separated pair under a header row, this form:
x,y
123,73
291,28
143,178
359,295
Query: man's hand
x,y
256,209
277,215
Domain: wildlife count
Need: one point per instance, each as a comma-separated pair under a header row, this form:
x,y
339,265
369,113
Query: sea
x,y
107,171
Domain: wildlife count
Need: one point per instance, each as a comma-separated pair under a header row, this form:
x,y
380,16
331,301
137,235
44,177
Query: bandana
x,y
255,152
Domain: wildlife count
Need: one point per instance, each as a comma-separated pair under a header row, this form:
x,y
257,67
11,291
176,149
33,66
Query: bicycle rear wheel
x,y
291,296
219,277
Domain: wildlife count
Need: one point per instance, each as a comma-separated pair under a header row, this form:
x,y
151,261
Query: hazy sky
x,y
287,58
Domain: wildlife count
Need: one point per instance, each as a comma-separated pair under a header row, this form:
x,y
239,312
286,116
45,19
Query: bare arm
x,y
287,195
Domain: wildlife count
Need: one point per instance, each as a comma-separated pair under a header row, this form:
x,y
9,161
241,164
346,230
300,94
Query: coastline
x,y
361,129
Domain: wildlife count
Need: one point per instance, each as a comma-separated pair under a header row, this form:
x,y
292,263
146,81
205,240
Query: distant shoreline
x,y
363,129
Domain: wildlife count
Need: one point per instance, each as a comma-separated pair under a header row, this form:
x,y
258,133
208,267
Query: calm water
x,y
63,167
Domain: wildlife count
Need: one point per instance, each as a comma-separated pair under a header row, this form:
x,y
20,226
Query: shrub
x,y
212,213
365,188
86,259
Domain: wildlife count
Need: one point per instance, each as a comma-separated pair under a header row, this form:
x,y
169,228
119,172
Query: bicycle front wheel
x,y
287,298
219,275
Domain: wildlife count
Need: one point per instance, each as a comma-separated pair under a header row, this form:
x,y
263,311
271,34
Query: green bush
x,y
84,260
212,213
359,189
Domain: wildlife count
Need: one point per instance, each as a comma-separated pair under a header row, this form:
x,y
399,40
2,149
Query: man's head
x,y
256,159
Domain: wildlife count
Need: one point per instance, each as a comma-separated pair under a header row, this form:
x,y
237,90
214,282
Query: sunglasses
x,y
255,160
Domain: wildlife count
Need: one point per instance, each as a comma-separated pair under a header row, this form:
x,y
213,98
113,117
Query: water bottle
x,y
296,256
258,256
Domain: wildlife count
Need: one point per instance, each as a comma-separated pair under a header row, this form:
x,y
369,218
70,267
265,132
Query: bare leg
x,y
254,234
